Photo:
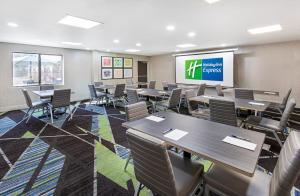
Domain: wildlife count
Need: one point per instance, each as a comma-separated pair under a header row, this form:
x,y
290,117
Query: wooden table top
x,y
239,103
151,92
204,139
262,92
46,93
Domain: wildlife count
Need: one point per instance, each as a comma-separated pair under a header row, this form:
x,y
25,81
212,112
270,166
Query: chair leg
x,y
277,138
114,103
25,115
30,116
137,192
178,109
51,114
127,161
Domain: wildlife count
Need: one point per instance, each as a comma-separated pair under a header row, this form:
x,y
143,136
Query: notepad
x,y
206,96
176,134
255,103
240,143
271,93
155,118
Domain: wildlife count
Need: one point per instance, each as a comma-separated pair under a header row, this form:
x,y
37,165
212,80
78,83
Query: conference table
x,y
204,139
50,93
257,106
105,87
260,92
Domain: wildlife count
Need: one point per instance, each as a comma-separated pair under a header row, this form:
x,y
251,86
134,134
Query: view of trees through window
x,y
36,69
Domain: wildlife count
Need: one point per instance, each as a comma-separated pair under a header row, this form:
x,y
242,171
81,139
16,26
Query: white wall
x,y
262,67
81,68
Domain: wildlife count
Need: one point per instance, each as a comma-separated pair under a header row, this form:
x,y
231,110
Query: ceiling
x,y
221,24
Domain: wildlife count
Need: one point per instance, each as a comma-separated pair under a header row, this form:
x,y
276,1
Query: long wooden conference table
x,y
257,106
204,138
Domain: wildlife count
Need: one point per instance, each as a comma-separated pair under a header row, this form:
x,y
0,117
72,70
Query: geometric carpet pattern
x,y
82,156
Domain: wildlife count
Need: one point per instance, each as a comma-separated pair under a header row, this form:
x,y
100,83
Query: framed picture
x,y
106,61
118,73
128,73
118,62
107,74
128,62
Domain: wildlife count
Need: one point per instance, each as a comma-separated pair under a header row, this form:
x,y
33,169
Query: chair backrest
x,y
175,97
61,98
201,89
46,87
244,94
172,87
92,90
222,112
164,85
152,165
132,96
119,91
27,98
152,84
97,84
136,111
189,94
219,90
287,169
286,98
129,81
286,113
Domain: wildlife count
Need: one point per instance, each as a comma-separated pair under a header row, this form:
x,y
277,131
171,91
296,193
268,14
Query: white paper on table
x,y
155,118
206,96
240,143
271,93
256,103
176,134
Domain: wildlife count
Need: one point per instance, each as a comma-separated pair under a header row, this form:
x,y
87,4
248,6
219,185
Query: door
x,y
142,71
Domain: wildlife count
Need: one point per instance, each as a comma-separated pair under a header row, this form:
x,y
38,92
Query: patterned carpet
x,y
83,156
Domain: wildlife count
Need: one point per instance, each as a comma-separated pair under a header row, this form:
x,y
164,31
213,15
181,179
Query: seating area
x,y
162,98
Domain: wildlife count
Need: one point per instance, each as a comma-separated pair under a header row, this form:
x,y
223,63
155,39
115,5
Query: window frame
x,y
39,68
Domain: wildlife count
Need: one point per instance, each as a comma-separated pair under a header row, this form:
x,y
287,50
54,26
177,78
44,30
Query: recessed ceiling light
x,y
170,27
212,1
177,50
185,45
87,48
138,44
11,24
191,34
107,50
72,43
266,29
132,50
78,22
116,41
223,45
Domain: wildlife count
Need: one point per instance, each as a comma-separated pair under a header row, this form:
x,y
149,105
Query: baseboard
x,y
21,107
10,108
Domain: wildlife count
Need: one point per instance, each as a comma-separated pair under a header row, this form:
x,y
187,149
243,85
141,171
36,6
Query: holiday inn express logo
x,y
204,69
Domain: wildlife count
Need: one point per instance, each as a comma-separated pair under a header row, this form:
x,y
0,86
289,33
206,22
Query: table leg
x,y
187,155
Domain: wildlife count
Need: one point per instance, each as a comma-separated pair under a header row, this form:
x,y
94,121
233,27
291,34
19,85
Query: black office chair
x,y
244,94
46,87
61,99
223,112
95,96
162,171
118,94
201,89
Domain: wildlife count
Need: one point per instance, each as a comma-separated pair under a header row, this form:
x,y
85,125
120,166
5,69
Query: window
x,y
37,69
